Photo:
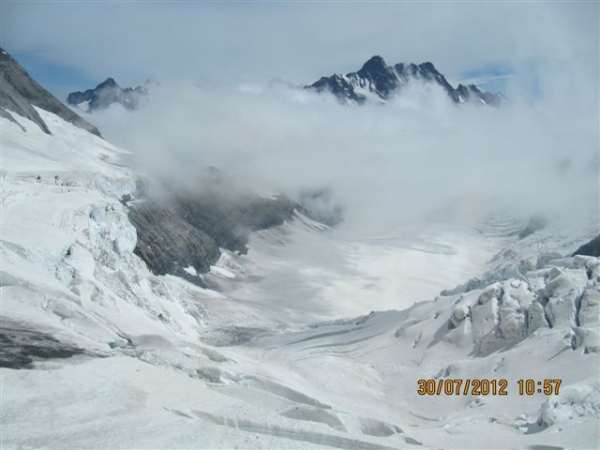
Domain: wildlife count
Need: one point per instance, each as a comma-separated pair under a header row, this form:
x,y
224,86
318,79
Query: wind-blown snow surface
x,y
275,359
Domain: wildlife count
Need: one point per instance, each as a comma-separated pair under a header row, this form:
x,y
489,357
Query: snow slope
x,y
100,353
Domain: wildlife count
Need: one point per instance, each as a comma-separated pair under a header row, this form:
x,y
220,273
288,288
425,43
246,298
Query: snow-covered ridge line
x,y
379,82
20,94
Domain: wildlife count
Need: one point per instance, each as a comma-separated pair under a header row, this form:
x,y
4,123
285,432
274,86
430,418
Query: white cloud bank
x,y
388,164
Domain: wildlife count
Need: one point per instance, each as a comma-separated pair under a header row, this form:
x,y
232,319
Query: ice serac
x,y
378,80
107,93
20,94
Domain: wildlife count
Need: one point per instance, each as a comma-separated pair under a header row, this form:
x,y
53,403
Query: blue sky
x,y
496,45
491,78
58,78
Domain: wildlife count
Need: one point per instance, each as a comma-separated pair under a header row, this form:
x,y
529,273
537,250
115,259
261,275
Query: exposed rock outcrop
x,y
592,248
20,93
183,230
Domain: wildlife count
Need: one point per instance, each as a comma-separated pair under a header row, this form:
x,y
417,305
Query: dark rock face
x,y
188,229
384,81
167,242
107,93
592,248
473,93
20,93
338,86
382,77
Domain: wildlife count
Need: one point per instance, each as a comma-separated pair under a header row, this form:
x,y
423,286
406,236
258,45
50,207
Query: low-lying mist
x,y
387,164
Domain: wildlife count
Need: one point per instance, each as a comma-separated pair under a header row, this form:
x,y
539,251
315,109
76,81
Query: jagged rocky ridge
x,y
377,79
20,94
105,94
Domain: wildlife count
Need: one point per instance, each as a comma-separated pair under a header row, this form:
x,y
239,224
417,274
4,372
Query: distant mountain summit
x,y
20,94
377,80
107,93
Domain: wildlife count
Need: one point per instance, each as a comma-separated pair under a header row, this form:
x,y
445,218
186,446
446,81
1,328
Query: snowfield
x,y
311,340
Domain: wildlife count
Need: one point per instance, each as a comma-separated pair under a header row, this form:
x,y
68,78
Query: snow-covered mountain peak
x,y
374,67
376,80
108,83
107,93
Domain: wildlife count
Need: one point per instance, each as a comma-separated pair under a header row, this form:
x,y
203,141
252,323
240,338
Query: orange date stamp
x,y
484,386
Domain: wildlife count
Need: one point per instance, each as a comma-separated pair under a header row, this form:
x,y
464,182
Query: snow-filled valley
x,y
312,339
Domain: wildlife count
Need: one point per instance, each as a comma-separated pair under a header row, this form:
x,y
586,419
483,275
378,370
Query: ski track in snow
x,y
288,354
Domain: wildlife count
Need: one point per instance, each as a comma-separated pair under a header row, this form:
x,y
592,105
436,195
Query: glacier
x,y
311,338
